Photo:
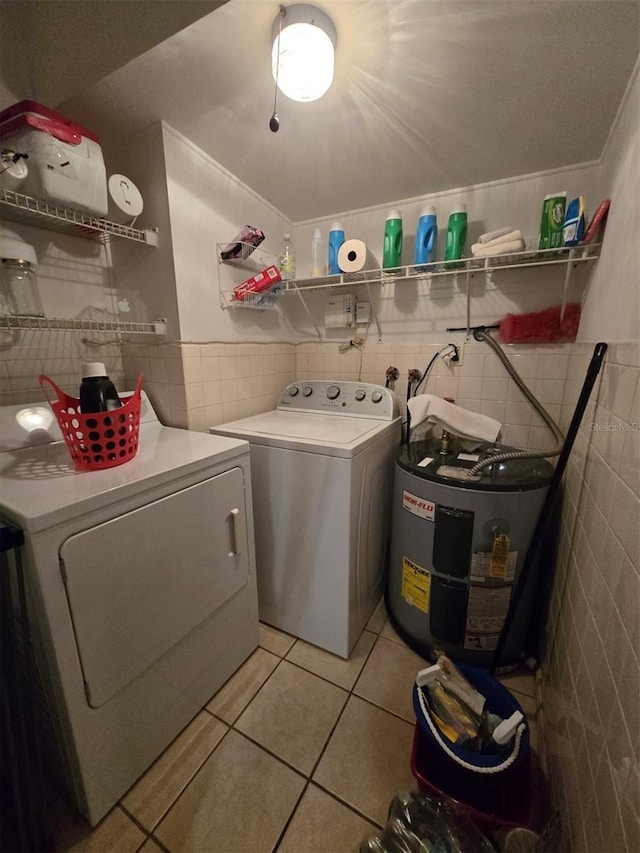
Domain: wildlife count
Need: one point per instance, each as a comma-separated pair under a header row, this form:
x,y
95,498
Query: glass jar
x,y
19,289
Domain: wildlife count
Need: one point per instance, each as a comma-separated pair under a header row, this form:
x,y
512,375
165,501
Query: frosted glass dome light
x,y
302,58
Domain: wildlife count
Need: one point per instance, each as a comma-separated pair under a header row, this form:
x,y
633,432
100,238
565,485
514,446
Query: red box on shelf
x,y
262,282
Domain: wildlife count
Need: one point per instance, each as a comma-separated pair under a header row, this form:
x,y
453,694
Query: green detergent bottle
x,y
392,254
456,234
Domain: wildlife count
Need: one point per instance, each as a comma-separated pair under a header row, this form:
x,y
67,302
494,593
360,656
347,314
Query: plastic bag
x,y
418,823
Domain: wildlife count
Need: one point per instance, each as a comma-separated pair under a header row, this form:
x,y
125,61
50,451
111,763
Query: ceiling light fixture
x,y
302,58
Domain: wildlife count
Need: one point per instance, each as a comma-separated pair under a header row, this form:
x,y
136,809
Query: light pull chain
x,y
274,121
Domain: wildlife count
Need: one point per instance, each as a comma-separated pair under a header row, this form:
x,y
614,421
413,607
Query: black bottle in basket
x,y
97,391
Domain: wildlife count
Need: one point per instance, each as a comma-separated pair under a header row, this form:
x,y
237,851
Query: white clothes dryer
x,y
141,588
322,467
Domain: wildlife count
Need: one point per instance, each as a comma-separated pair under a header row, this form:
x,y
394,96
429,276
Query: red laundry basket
x,y
97,440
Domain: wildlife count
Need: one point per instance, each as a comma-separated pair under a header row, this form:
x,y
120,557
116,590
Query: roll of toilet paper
x,y
354,256
125,200
12,174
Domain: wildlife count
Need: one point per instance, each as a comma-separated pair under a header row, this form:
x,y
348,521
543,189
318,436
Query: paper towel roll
x,y
354,256
125,201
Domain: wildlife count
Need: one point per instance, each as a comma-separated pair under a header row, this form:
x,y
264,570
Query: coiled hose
x,y
481,334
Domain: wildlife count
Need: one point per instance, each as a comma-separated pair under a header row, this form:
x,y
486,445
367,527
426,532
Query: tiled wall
x,y
591,684
58,354
480,384
197,386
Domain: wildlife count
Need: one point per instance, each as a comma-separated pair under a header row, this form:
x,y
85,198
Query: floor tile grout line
x,y
231,727
339,717
183,788
288,821
134,820
344,803
309,778
176,800
157,841
266,749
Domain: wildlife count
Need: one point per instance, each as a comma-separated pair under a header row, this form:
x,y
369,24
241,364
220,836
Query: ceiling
x,y
428,95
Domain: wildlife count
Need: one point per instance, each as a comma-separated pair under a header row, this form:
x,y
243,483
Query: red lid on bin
x,y
45,119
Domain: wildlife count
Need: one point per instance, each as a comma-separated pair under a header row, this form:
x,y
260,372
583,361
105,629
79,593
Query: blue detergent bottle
x,y
426,236
336,239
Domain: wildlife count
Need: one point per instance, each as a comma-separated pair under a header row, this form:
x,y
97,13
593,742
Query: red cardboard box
x,y
262,282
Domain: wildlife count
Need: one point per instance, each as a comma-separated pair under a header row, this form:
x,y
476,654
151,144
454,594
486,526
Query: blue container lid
x,y
499,701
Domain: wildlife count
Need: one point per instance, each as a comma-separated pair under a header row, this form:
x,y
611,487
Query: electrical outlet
x,y
456,360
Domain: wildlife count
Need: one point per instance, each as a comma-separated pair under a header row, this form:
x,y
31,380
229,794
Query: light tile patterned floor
x,y
300,751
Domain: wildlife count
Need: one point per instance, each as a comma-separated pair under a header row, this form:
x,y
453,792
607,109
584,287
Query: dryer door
x,y
137,584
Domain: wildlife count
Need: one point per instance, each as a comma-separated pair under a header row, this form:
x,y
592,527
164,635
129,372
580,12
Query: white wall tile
x,y
210,368
473,365
197,420
269,361
175,371
598,608
526,364
494,388
256,365
228,390
245,408
230,411
228,367
518,413
194,396
553,366
212,393
243,367
469,387
548,391
192,369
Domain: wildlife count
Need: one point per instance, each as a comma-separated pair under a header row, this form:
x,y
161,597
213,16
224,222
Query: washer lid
x,y
40,487
423,459
330,435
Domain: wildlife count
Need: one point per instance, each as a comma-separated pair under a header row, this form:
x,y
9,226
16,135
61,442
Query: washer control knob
x,y
293,390
307,391
333,392
360,394
376,396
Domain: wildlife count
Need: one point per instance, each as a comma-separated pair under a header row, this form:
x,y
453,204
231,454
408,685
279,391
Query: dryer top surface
x,y
40,487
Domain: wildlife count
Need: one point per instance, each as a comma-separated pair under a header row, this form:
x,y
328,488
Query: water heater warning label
x,y
486,611
416,585
418,506
484,569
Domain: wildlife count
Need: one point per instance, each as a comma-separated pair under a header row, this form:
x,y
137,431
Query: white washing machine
x,y
322,467
141,587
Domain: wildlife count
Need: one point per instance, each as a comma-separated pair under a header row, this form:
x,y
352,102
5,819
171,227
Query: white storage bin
x,y
65,160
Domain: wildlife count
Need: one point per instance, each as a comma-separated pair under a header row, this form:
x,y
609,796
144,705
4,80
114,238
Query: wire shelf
x,y
496,263
157,327
25,209
259,301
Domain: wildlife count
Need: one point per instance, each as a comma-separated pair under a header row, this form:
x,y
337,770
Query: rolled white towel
x,y
439,412
516,234
485,251
493,235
